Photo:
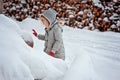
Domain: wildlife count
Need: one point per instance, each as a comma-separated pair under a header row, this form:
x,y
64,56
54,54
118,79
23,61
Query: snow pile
x,y
89,55
11,66
25,63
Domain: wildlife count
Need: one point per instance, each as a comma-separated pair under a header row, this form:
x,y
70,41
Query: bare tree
x,y
1,6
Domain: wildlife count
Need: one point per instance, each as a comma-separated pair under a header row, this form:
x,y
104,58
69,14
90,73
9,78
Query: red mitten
x,y
34,32
51,53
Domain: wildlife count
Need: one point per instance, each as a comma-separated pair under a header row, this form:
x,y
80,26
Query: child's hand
x,y
51,53
34,32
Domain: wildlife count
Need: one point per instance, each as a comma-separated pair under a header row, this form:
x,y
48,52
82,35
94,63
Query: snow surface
x,y
97,55
99,5
106,19
90,55
118,24
11,66
113,26
23,62
80,12
96,1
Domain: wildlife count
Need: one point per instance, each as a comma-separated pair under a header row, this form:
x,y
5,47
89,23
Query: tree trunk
x,y
1,6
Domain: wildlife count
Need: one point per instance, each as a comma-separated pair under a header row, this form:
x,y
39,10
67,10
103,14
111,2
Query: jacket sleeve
x,y
41,37
58,39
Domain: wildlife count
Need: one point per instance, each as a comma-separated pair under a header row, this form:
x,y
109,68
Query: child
x,y
53,37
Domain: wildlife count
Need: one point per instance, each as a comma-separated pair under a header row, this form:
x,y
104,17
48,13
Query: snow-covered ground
x,y
90,55
97,55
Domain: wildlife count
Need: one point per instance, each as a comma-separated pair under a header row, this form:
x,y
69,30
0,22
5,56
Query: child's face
x,y
45,22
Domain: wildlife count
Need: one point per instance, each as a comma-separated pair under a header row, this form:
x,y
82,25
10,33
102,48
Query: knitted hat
x,y
50,15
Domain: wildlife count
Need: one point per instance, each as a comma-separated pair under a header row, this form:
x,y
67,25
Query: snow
x,y
90,55
71,16
99,5
113,26
106,19
97,55
80,12
114,16
91,25
118,23
68,6
35,7
114,0
100,18
95,1
13,8
23,1
11,66
31,62
25,10
83,2
26,36
17,6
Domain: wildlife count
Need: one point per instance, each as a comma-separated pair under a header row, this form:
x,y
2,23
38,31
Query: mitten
x,y
34,32
51,53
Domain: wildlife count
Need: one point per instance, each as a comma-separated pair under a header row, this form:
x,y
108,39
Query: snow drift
x,y
25,63
90,55
11,66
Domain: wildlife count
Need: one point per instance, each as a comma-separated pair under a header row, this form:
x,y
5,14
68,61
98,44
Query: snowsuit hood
x,y
50,15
